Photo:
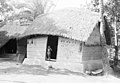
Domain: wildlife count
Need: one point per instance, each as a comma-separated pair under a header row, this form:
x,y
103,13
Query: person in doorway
x,y
49,50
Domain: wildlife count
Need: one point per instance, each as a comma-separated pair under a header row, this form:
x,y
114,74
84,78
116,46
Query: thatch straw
x,y
76,24
10,31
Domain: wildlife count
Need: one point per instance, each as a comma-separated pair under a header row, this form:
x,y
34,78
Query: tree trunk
x,y
106,67
116,40
102,22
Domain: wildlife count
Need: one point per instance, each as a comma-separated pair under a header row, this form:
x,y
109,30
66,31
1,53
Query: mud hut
x,y
74,37
72,34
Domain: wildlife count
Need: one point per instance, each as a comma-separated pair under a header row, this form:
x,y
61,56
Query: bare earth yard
x,y
12,73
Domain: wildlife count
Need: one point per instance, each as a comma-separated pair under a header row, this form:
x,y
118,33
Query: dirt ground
x,y
11,72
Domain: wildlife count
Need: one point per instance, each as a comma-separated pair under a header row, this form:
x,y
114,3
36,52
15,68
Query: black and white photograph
x,y
59,41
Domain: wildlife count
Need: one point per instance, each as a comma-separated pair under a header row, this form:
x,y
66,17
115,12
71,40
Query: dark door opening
x,y
11,46
9,49
52,44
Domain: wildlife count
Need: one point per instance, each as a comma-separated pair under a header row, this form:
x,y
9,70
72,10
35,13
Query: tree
x,y
41,6
36,7
103,41
17,9
101,9
4,9
93,5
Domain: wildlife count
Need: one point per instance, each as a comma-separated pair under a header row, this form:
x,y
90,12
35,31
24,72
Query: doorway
x,y
52,42
9,49
11,46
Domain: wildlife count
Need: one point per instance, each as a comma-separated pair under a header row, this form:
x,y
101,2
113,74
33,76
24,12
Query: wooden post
x,y
17,53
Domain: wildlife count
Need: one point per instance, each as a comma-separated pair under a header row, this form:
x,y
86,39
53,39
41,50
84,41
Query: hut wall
x,y
94,38
36,50
69,55
92,57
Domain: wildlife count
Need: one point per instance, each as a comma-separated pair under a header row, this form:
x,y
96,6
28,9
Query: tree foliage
x,y
13,9
110,8
37,7
93,5
41,6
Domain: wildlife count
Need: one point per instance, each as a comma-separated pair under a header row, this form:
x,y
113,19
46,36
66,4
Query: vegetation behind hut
x,y
11,9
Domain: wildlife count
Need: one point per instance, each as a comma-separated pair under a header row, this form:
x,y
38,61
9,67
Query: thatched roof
x,y
13,29
10,31
76,24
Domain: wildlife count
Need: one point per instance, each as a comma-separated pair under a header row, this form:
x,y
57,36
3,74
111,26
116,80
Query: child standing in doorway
x,y
49,50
